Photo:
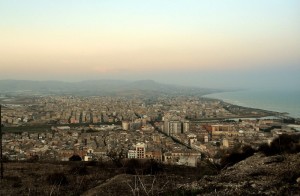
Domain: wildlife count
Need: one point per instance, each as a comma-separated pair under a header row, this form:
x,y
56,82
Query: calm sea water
x,y
280,101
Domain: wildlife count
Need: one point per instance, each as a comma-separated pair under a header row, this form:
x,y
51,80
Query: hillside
x,y
99,87
256,175
95,178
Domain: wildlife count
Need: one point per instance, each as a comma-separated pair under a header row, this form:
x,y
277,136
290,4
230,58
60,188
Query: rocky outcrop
x,y
257,175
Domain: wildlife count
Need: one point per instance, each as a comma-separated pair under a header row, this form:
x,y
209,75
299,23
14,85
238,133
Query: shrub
x,y
79,170
5,159
136,166
184,192
132,166
265,148
116,157
93,163
57,179
282,144
75,158
152,167
34,158
208,168
236,156
290,176
15,180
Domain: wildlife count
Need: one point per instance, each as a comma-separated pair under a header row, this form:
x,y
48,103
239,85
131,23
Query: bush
x,y
208,168
16,181
75,158
79,170
132,166
282,144
57,179
152,167
136,166
265,148
34,158
236,156
184,192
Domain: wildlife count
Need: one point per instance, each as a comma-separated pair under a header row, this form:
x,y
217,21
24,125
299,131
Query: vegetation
x,y
57,179
75,157
236,155
121,176
282,144
77,177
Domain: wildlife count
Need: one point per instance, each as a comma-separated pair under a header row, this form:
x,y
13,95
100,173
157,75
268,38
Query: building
x,y
222,127
131,154
140,150
186,126
154,154
166,127
125,125
89,155
175,127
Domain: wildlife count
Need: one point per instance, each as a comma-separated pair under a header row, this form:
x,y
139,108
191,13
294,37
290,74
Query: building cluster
x,y
168,130
77,110
97,143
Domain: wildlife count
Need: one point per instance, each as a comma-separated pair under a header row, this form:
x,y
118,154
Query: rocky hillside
x,y
256,175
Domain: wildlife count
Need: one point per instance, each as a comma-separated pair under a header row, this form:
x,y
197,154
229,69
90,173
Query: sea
x,y
285,101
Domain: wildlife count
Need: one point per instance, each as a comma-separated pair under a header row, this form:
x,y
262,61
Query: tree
x,y
33,158
116,156
75,157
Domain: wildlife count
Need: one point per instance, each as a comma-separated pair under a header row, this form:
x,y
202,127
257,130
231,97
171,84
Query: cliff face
x,y
257,175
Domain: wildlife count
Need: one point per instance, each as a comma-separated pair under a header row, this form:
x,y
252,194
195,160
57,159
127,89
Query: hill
x,y
99,87
95,178
256,175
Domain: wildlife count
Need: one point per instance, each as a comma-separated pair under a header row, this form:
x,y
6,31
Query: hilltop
x,y
256,175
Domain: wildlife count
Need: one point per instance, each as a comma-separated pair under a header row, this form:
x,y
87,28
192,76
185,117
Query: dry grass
x,y
77,178
46,179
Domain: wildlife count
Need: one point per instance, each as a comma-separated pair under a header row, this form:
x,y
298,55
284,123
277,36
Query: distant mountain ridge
x,y
99,87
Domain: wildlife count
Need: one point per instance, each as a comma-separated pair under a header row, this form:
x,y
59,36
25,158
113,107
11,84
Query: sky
x,y
207,43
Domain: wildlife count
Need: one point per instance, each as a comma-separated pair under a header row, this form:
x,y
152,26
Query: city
x,y
149,98
172,130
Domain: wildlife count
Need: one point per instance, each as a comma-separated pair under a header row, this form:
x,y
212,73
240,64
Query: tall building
x,y
166,127
186,126
175,127
140,150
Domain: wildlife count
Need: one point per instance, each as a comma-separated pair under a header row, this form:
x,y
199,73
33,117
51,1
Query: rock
x,y
208,178
257,174
273,159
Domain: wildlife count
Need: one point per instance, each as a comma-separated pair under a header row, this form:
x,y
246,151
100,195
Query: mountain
x,y
99,87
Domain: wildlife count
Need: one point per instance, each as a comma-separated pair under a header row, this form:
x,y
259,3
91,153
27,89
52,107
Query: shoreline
x,y
248,111
238,102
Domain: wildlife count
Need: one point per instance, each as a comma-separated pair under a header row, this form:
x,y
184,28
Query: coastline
x,y
281,103
249,112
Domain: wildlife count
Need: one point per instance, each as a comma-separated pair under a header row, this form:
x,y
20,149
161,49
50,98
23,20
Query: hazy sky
x,y
208,43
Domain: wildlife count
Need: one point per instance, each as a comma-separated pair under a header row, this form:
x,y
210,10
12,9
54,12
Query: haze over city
x,y
226,44
157,97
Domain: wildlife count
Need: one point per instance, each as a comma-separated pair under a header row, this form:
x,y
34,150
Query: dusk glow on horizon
x,y
184,42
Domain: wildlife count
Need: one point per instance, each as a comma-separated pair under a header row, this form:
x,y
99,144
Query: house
x,y
131,154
